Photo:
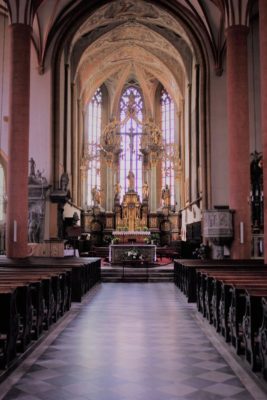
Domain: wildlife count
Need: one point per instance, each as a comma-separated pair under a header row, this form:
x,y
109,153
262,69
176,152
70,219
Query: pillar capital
x,y
21,12
237,30
236,13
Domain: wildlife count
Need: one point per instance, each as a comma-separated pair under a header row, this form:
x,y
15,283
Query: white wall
x,y
218,140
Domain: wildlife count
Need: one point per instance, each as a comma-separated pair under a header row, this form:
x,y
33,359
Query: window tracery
x,y
131,118
93,142
168,133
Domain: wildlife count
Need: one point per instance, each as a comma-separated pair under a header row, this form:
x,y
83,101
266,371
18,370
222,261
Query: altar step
x,y
114,274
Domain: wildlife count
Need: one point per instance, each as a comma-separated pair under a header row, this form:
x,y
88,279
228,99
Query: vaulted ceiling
x,y
112,41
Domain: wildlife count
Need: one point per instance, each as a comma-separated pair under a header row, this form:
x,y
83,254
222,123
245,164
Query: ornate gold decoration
x,y
172,153
91,153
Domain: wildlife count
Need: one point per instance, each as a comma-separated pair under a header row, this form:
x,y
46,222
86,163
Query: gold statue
x,y
166,196
131,180
96,196
117,191
145,191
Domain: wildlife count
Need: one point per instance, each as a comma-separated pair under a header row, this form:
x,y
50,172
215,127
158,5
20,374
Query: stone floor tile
x,y
131,342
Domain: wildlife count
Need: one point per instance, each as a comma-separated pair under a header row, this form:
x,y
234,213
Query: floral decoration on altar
x,y
133,254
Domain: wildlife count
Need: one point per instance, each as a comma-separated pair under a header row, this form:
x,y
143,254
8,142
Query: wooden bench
x,y
232,299
185,272
8,324
34,293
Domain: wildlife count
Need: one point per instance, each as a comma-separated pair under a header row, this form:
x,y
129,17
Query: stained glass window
x,y
167,126
131,117
93,140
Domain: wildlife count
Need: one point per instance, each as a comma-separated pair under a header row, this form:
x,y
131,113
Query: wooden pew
x,y
209,283
9,325
86,271
252,321
34,293
263,338
185,272
233,298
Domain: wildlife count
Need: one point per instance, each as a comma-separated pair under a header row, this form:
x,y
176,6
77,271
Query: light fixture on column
x,y
151,143
110,142
91,153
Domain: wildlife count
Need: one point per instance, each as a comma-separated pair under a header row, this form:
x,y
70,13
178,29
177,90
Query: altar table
x,y
117,252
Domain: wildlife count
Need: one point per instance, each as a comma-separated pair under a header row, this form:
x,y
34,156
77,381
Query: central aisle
x,y
131,342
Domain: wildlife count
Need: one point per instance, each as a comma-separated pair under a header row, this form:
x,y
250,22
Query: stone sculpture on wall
x,y
38,187
256,193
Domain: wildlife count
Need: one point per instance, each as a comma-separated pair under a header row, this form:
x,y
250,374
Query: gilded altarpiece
x,y
130,214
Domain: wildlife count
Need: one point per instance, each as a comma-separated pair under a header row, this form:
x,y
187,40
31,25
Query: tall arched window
x,y
167,126
93,141
131,117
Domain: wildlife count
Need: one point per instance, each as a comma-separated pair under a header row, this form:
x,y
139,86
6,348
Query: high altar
x,y
131,214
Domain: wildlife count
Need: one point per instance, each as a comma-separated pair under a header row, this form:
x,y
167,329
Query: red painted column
x,y
18,159
263,72
238,139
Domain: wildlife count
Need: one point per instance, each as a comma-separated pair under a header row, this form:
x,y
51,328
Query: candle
x,y
242,232
15,231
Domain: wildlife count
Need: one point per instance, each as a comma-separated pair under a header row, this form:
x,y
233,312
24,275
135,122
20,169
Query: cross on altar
x,y
132,133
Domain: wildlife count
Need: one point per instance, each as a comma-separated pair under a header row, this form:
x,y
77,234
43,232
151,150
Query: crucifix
x,y
131,133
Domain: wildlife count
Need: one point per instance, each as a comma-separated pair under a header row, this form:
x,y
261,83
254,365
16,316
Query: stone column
x,y
80,151
153,189
263,71
17,188
238,138
74,143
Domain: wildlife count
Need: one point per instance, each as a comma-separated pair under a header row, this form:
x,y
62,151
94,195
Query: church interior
x,y
132,144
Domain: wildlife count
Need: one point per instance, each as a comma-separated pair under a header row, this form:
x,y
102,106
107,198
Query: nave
x,y
131,342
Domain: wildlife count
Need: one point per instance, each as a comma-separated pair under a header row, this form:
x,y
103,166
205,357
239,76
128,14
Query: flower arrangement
x,y
202,252
133,254
107,239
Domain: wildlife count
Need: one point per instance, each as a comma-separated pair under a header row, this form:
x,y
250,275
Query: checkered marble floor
x,y
137,341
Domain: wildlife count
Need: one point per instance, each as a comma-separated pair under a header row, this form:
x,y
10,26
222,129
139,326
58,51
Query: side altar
x,y
121,252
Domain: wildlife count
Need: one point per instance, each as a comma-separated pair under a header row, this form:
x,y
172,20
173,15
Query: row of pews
x,y
35,293
232,296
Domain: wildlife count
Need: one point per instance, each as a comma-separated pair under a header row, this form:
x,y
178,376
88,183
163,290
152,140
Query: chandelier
x,y
110,142
110,149
91,153
171,156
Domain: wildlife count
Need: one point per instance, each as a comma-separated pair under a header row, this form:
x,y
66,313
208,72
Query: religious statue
x,y
32,167
256,193
131,180
33,228
166,196
117,191
64,181
145,191
95,196
40,178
